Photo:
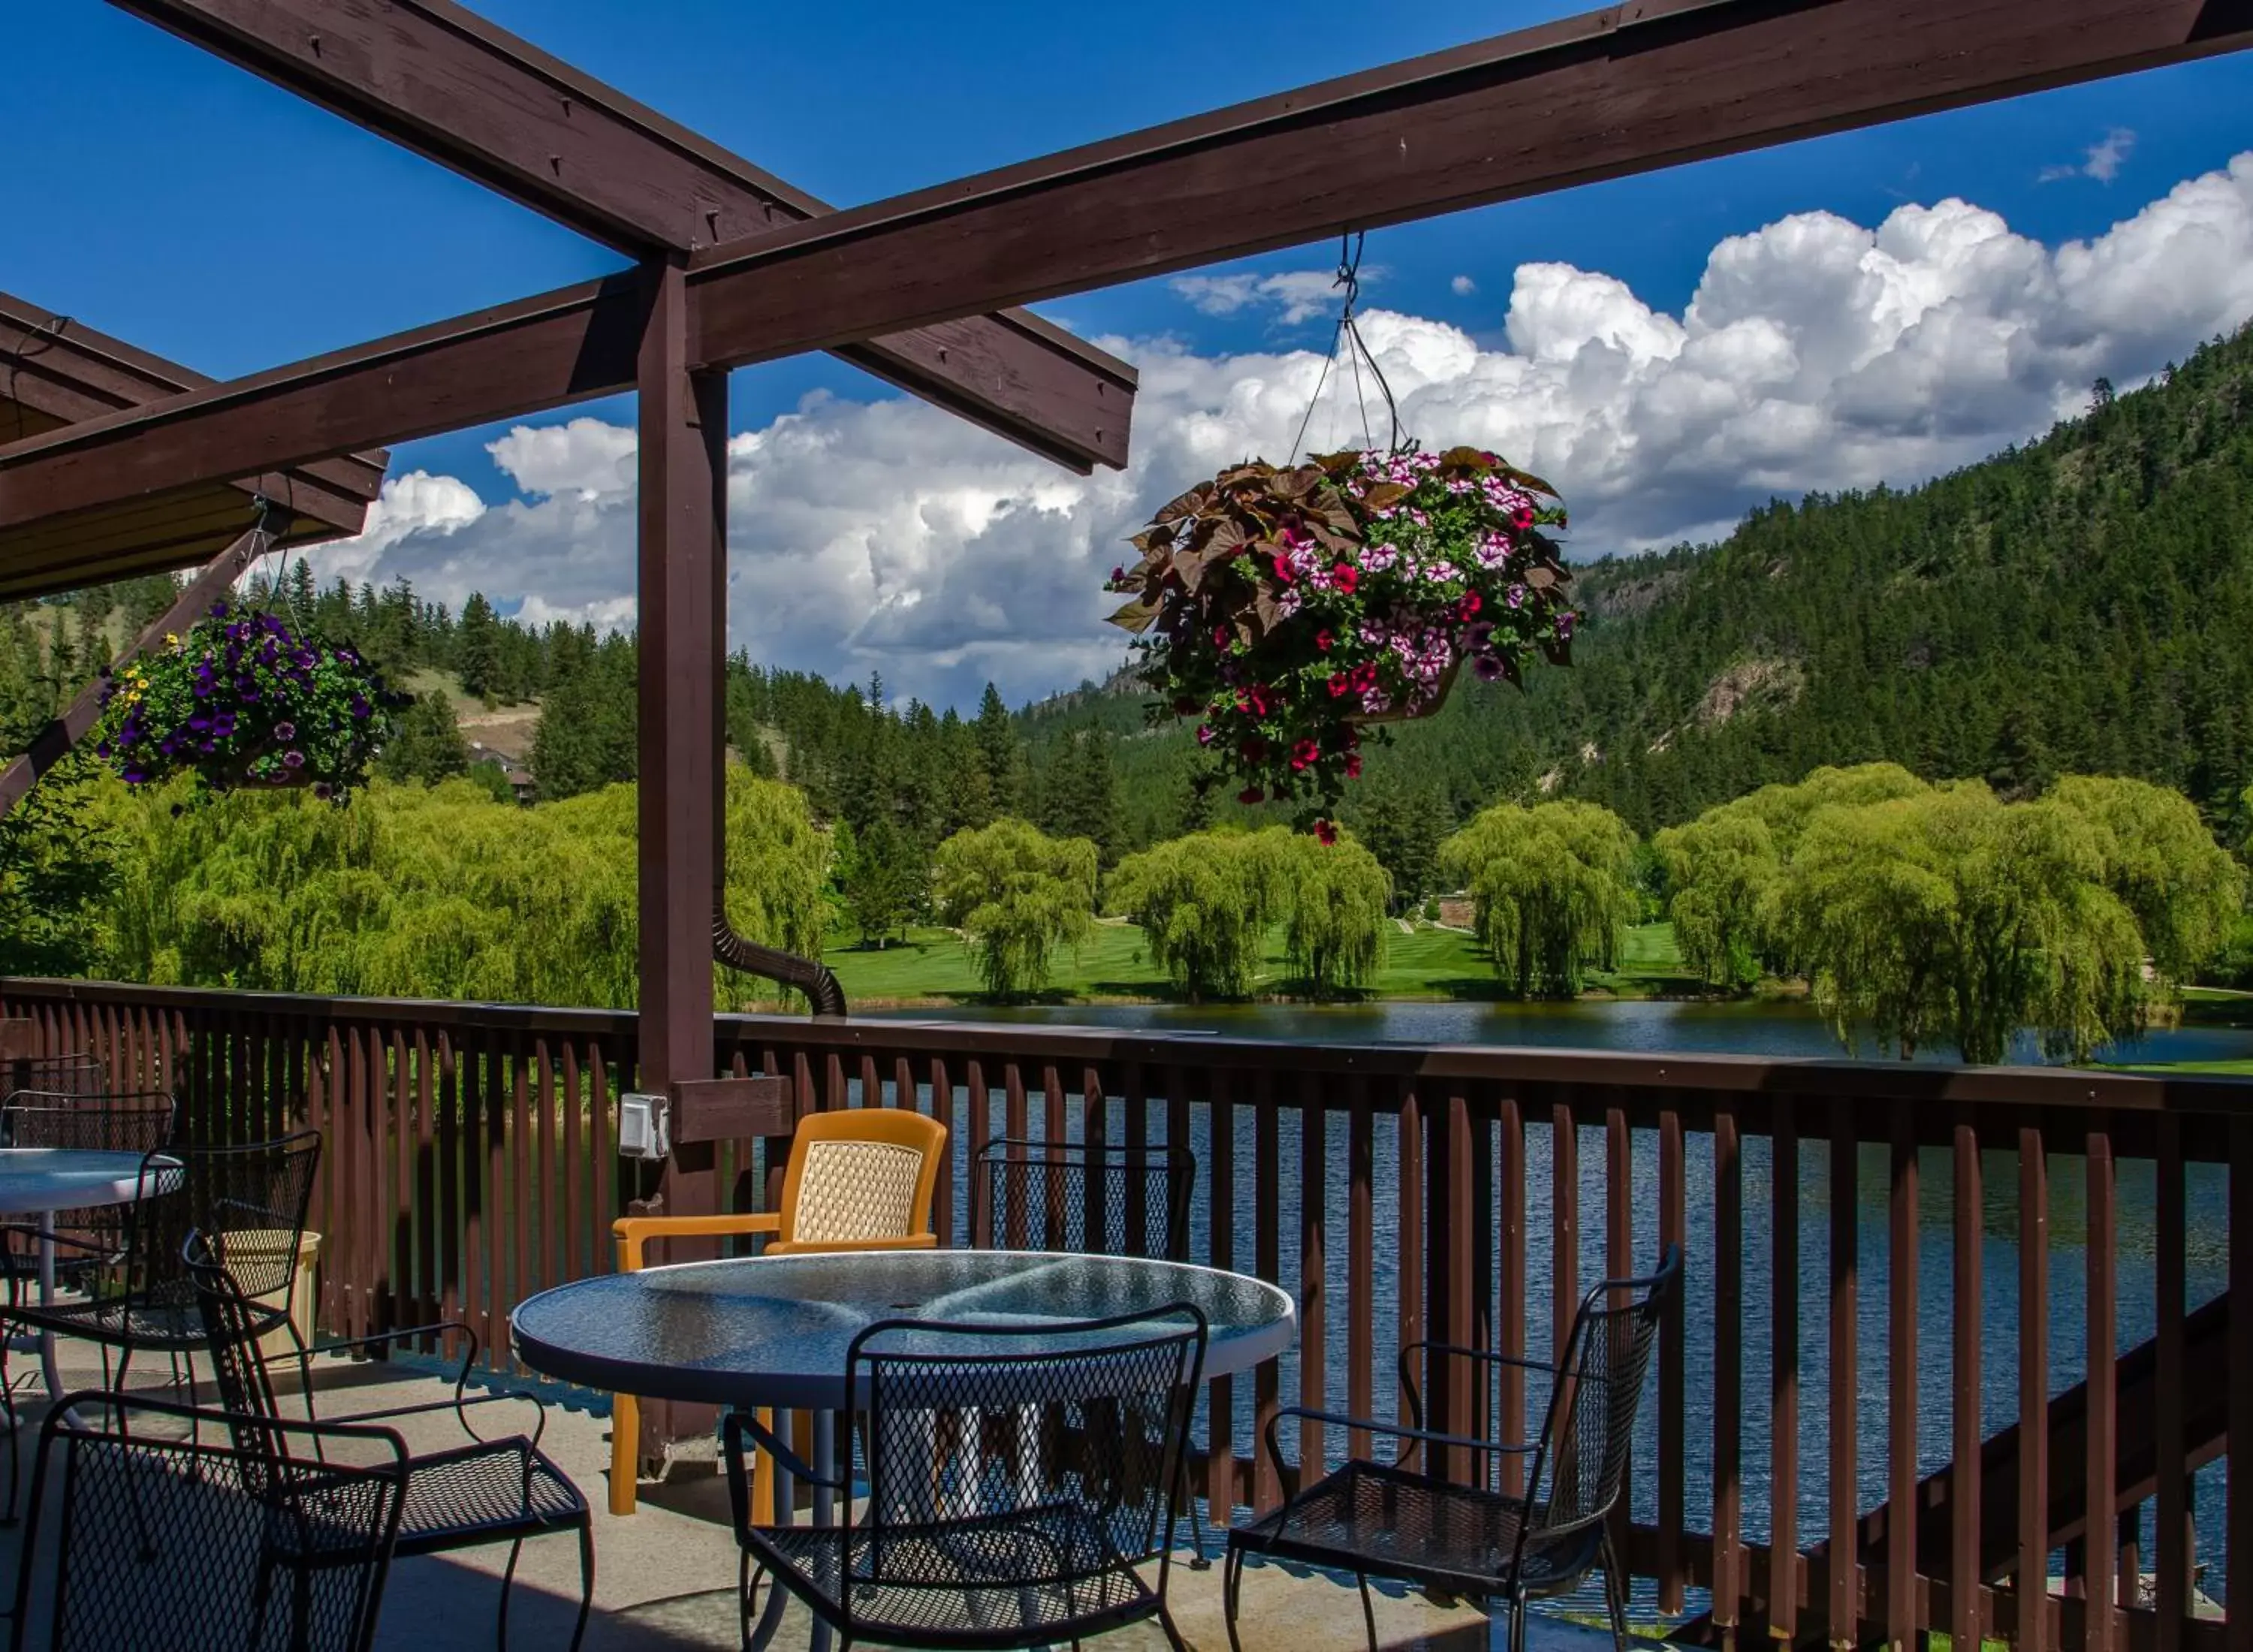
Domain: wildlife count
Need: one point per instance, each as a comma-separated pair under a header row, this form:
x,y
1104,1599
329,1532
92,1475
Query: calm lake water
x,y
1766,1029
1783,1028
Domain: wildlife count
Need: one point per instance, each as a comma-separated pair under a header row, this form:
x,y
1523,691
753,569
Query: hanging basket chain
x,y
1347,341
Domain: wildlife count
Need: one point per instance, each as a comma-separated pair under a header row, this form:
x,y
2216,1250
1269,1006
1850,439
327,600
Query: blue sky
x,y
160,194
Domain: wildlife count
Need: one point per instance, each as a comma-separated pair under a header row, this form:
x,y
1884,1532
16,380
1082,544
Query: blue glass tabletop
x,y
773,1331
43,1179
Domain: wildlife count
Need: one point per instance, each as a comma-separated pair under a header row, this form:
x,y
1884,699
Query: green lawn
x,y
933,964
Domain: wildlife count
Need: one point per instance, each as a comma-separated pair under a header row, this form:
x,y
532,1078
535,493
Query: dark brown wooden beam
x,y
439,80
1628,89
52,743
1600,96
546,351
57,371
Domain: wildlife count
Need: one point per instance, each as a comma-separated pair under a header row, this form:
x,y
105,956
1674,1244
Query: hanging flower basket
x,y
245,703
1289,609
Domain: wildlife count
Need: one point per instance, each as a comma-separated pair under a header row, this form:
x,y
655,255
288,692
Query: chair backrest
x,y
860,1174
233,1325
248,1202
191,1544
139,1123
1579,1466
78,1074
1036,1459
1093,1197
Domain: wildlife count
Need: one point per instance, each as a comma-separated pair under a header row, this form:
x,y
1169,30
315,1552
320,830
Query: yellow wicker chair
x,y
858,1180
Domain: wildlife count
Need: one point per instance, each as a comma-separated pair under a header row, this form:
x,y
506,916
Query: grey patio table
x,y
41,1181
772,1332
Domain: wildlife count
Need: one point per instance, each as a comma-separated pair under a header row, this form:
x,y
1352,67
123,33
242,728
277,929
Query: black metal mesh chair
x,y
1411,1520
78,1074
499,1490
1091,1197
1094,1198
143,1541
1015,1478
92,1239
148,1303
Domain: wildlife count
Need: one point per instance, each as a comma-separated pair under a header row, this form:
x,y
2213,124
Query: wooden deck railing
x,y
1916,1272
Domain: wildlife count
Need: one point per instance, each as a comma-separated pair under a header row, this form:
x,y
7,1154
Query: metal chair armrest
x,y
1414,1391
1416,1438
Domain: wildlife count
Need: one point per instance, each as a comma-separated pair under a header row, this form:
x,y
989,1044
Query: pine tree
x,y
478,649
1001,753
427,744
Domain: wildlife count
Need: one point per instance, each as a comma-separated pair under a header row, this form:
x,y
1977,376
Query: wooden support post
x,y
683,480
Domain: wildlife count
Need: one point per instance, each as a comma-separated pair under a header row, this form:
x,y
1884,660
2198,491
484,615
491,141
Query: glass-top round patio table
x,y
42,1181
772,1331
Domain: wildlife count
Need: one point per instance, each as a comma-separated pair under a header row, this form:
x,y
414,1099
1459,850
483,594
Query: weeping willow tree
x,y
1724,867
1554,888
1953,916
1340,900
1721,869
1204,903
1016,895
428,892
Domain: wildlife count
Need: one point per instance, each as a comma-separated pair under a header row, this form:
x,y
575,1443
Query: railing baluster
x,y
1219,1183
1314,1288
1510,1325
1728,1376
1785,1373
1673,1433
1267,1263
2030,1577
1361,1265
1095,1130
2101,1535
575,1234
2172,1559
1968,1618
1564,1226
942,1109
981,1131
1845,1603
1410,1190
424,1187
1458,1312
2238,1537
1901,1385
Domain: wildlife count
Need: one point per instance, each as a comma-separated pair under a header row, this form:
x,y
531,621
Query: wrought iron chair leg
x,y
15,1434
1197,1560
1166,1622
1368,1609
508,1581
1231,1584
1615,1592
586,1581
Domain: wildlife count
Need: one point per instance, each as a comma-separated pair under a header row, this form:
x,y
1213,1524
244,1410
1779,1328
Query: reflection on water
x,y
1654,1024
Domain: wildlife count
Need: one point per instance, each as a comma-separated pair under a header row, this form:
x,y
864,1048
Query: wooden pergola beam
x,y
1603,95
439,80
55,370
1628,89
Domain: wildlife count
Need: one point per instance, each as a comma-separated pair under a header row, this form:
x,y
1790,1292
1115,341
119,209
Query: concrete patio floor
x,y
665,1576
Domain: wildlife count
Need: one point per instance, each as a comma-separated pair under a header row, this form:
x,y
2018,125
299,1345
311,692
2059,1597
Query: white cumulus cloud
x,y
1462,286
1294,296
1816,352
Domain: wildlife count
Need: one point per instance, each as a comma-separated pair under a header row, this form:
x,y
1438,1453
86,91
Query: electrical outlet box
x,y
644,1126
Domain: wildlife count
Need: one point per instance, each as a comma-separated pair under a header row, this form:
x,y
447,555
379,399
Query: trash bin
x,y
265,1244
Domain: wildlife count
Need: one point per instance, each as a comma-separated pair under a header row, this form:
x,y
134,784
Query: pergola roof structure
x,y
56,372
